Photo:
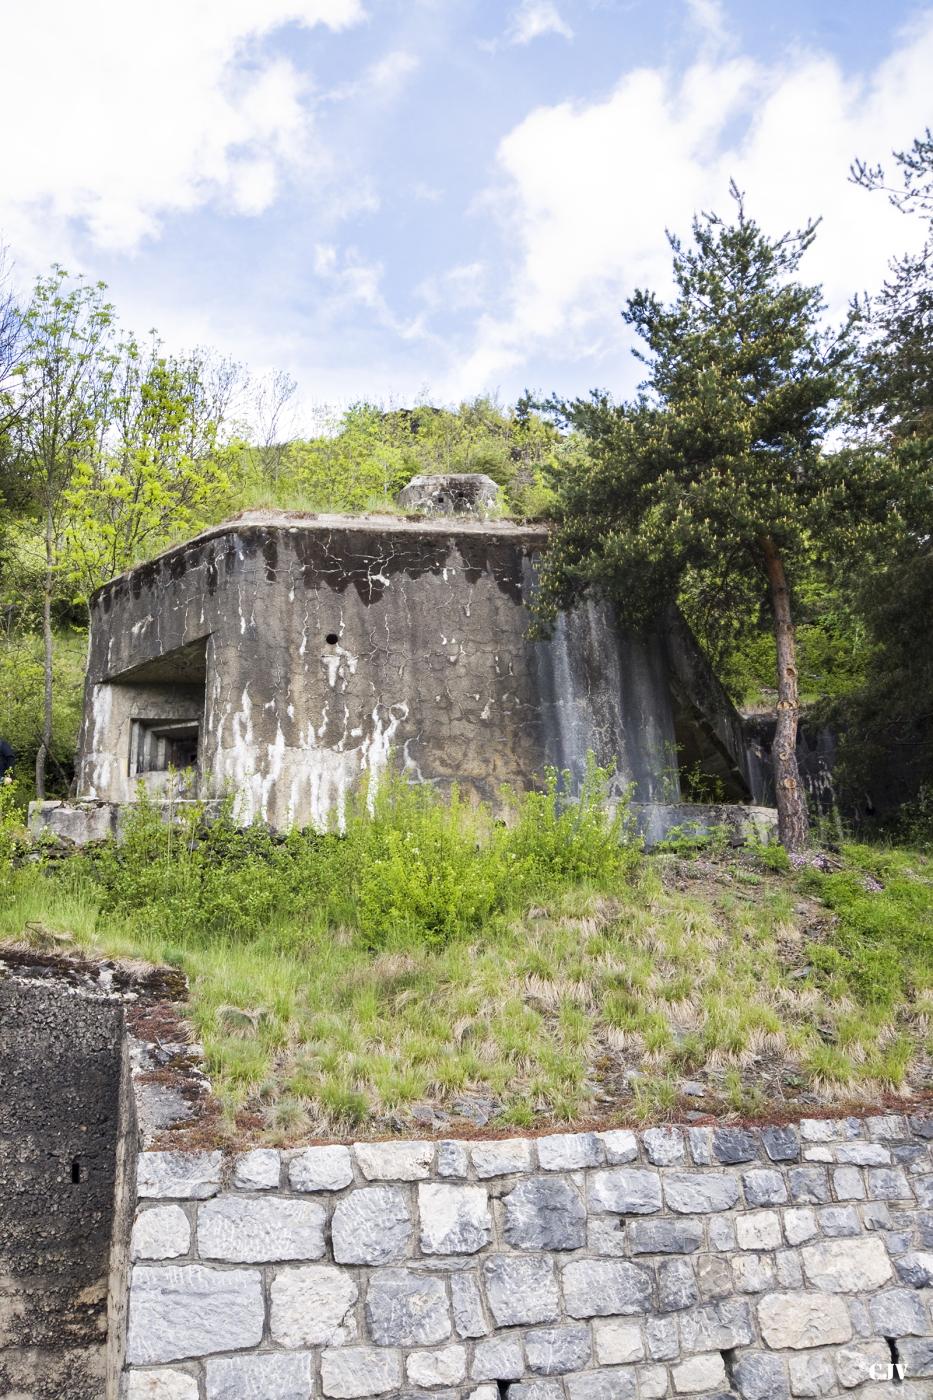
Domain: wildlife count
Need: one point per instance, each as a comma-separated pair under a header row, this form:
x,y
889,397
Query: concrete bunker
x,y
290,659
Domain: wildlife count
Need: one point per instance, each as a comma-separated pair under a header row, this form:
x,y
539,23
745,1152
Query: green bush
x,y
881,943
414,870
10,834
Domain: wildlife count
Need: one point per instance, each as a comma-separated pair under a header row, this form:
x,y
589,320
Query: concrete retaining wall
x,y
695,1262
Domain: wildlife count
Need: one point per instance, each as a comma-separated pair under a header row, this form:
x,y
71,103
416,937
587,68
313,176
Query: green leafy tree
x,y
715,475
63,381
891,411
158,469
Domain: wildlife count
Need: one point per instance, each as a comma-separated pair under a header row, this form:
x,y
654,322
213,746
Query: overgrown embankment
x,y
432,967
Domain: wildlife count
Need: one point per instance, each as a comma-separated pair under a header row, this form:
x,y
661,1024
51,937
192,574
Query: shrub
x,y
416,869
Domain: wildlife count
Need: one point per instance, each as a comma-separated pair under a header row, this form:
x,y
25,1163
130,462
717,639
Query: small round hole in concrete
x,y
332,639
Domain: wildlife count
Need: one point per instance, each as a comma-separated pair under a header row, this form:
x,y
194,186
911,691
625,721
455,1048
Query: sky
x,y
404,200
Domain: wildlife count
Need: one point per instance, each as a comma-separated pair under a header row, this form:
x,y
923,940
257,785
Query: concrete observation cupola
x,y
290,658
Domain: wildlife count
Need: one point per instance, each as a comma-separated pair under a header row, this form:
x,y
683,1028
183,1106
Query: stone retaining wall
x,y
699,1262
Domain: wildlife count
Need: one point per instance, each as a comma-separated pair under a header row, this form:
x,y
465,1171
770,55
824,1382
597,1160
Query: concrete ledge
x,y
80,823
656,822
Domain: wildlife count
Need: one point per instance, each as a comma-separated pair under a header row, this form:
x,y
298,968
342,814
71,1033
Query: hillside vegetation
x,y
432,968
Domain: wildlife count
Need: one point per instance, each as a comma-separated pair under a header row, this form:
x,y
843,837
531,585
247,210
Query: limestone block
x,y
917,1356
258,1170
862,1154
764,1187
916,1269
652,1382
888,1185
701,1145
754,1273
536,1390
605,1288
626,1191
829,1129
553,1351
520,1290
312,1306
499,1359
372,1226
453,1159
809,1186
501,1158
761,1229
721,1233
246,1230
731,1145
545,1213
677,1287
757,1376
395,1161
801,1320
616,1384
187,1310
705,1372
898,1312
454,1219
617,1342
188,1175
320,1168
848,1184
349,1373
887,1126
696,1193
161,1232
268,1376
161,1385
467,1306
620,1146
562,1152
406,1309
866,1361
714,1277
846,1266
837,1221
811,1375
664,1236
719,1325
800,1224
664,1146
788,1269
446,1366
781,1143
605,1234
662,1338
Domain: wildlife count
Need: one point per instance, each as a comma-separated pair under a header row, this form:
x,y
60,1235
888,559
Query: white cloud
x,y
586,190
709,17
535,18
129,113
383,80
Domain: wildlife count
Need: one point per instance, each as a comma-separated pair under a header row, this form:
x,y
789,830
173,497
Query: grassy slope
x,y
340,984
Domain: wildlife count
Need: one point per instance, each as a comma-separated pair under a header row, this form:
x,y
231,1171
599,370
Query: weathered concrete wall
x,y
59,1110
323,644
704,1262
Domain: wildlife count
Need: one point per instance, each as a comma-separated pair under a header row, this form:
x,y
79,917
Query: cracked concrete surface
x,y
317,650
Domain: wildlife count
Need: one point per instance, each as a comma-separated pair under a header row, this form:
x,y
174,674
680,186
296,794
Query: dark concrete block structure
x,y
288,659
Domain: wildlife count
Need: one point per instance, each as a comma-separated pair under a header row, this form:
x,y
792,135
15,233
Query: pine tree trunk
x,y
46,744
793,822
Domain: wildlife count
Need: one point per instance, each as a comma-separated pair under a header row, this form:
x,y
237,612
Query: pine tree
x,y
717,468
